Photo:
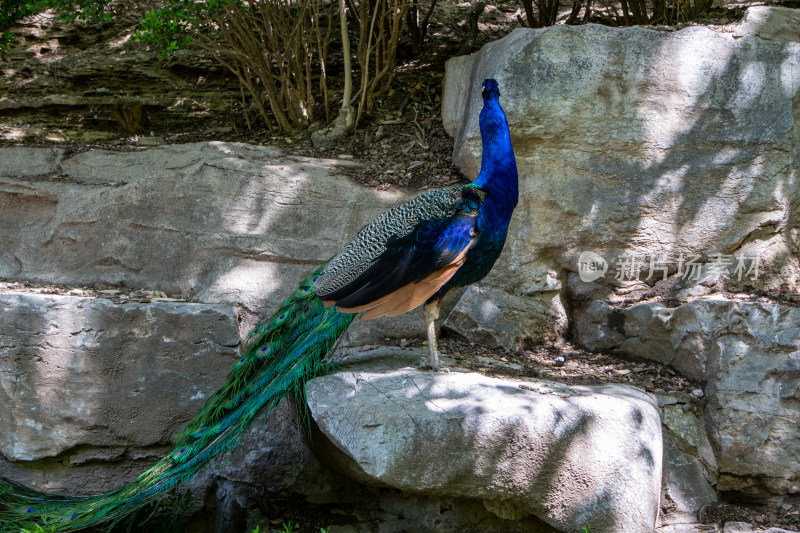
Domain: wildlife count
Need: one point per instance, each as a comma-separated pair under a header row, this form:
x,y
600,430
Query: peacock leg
x,y
431,313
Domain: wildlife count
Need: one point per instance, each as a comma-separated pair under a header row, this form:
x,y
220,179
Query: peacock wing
x,y
404,256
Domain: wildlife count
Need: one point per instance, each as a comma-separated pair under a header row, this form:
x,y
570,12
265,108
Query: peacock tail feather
x,y
280,356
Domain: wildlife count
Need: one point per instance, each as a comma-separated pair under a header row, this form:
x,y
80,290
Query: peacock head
x,y
492,119
490,89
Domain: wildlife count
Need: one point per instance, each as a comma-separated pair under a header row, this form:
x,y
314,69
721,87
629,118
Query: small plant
x,y
10,12
586,529
277,49
287,527
84,12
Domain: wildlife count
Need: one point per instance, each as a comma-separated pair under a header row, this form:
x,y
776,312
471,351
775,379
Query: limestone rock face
x,y
770,22
491,317
746,354
89,381
212,222
571,456
634,142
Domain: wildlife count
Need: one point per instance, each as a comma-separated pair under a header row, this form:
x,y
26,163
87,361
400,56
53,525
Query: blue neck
x,y
498,167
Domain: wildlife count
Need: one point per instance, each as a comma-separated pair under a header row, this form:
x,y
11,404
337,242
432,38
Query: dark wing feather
x,y
403,246
409,259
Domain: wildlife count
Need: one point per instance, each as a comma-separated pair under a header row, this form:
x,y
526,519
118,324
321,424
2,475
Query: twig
x,y
403,107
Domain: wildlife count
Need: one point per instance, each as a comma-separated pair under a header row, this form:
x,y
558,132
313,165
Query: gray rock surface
x,y
770,22
686,486
571,456
493,318
212,222
635,142
682,417
746,354
102,386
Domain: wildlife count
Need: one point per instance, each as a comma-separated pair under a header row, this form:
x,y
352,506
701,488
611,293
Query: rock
x,y
683,422
678,337
770,22
685,484
753,389
493,318
746,354
29,161
643,145
398,512
686,528
594,326
271,460
737,527
212,222
150,141
90,383
273,456
571,456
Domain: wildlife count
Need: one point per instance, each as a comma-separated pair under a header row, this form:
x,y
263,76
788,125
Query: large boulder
x,y
211,222
639,144
571,456
100,386
746,355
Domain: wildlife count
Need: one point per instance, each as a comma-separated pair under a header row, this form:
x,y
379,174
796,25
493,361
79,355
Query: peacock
x,y
411,255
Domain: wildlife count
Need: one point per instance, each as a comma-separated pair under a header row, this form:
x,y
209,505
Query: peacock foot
x,y
433,363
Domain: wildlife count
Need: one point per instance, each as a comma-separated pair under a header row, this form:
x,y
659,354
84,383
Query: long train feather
x,y
281,355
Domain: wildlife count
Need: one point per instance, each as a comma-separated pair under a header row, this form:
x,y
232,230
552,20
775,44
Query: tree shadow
x,y
470,436
101,388
666,149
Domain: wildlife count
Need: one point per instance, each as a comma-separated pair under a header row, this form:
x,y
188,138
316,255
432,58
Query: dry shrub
x,y
616,13
276,48
380,25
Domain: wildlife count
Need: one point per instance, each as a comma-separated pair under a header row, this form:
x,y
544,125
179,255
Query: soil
x,y
760,516
401,144
563,363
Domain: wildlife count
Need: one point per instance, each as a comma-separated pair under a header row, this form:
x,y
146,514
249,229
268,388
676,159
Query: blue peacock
x,y
409,256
